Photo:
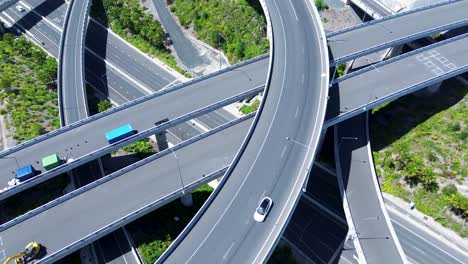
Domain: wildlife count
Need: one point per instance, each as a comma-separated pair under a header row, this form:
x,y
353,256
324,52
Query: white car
x,y
19,8
263,209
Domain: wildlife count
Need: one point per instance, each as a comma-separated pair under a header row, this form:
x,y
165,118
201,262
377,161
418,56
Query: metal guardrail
x,y
121,172
117,145
213,195
60,63
128,104
372,22
401,41
397,58
405,91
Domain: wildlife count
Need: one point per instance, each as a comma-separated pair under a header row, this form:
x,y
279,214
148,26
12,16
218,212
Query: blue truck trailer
x,y
25,173
119,133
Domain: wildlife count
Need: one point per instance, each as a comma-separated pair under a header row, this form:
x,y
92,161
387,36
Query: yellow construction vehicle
x,y
30,251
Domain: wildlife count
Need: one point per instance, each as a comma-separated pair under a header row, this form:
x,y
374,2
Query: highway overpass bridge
x,y
439,76
354,38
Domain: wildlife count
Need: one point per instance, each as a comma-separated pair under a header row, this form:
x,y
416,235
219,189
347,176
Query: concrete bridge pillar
x,y
394,51
161,141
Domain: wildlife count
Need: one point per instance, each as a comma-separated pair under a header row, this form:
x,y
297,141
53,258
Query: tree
x,y
104,105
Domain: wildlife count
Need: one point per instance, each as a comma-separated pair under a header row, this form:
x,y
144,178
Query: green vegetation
x,y
130,21
155,232
282,255
104,105
238,25
340,69
420,145
321,5
141,148
250,108
28,91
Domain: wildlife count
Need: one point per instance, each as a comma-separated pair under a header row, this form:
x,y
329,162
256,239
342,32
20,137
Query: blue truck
x,y
25,173
119,133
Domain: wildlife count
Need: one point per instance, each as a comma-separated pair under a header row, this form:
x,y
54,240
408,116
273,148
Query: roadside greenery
x,y
104,105
28,91
321,5
142,149
250,108
420,152
155,232
238,25
130,21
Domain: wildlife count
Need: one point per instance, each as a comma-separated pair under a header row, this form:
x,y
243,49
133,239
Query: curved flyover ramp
x,y
88,213
373,233
277,155
73,104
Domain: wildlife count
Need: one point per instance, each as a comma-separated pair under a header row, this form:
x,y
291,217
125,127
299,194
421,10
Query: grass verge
x,y
239,25
420,149
28,88
129,20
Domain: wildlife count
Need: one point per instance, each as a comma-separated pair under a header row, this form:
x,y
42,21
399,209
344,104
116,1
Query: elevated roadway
x,y
87,136
375,8
4,4
73,104
366,38
371,229
146,185
364,89
276,156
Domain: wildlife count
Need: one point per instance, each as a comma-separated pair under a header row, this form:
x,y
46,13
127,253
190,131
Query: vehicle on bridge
x,y
263,209
30,252
25,173
119,133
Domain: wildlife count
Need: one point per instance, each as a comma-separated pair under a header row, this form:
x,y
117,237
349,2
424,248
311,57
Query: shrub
x,y
449,190
321,5
104,105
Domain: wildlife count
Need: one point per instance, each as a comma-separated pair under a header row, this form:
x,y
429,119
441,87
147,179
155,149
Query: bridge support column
x,y
187,200
394,51
161,140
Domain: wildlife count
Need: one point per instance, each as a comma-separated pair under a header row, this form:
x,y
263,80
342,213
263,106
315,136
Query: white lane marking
x,y
315,123
227,252
294,10
169,84
302,79
284,150
417,249
1,241
2,255
297,112
409,230
356,258
324,208
31,9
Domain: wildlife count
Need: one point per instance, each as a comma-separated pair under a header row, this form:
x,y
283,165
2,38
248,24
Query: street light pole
x,y
219,46
16,160
180,171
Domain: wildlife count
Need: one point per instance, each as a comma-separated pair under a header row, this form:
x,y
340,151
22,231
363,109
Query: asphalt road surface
x,y
133,191
73,102
376,35
388,80
367,212
89,137
271,165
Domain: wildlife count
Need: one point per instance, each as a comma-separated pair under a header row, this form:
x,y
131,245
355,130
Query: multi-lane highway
x,y
318,227
364,89
146,186
276,160
400,28
73,104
